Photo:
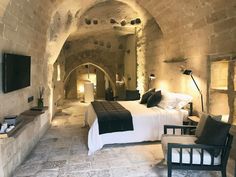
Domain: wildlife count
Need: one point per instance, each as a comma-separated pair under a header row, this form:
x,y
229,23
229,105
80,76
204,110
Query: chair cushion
x,y
214,133
186,139
202,122
154,99
146,95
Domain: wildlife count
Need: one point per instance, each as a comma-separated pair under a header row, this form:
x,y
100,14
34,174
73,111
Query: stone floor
x,y
62,152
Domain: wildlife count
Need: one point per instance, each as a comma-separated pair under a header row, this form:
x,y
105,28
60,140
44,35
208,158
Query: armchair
x,y
181,151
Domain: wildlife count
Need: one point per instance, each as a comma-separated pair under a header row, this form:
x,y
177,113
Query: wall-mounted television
x,y
16,72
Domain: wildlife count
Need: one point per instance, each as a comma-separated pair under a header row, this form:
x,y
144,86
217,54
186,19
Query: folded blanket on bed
x,y
112,117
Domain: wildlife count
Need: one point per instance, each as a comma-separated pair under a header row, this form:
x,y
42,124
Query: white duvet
x,y
148,125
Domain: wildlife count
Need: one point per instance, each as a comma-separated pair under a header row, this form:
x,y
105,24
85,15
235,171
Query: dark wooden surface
x,y
25,117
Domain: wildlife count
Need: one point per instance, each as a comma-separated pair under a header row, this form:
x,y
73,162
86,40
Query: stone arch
x,y
54,46
185,26
101,67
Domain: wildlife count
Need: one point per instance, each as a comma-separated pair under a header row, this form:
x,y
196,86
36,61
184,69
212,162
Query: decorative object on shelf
x,y
12,119
40,99
151,77
95,22
176,60
87,21
123,22
113,21
189,72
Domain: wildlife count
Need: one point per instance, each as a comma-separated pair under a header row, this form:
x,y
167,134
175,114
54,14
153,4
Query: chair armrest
x,y
191,147
184,128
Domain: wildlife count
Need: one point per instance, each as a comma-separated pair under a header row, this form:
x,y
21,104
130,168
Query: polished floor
x,y
62,152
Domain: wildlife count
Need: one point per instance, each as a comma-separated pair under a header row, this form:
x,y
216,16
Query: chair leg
x,y
169,172
223,172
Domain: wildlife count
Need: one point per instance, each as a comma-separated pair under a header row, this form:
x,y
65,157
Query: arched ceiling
x,y
168,13
96,20
173,16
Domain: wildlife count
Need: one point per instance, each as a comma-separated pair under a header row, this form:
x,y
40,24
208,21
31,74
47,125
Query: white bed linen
x,y
148,125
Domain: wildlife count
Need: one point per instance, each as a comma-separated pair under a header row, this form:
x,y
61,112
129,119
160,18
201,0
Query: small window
x,y
58,73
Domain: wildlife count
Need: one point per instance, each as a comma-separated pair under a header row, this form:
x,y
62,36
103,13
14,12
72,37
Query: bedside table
x,y
193,119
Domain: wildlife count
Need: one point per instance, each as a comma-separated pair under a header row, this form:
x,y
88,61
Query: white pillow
x,y
172,100
168,101
182,100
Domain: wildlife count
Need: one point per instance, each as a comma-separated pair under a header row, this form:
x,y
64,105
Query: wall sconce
x,y
189,72
151,77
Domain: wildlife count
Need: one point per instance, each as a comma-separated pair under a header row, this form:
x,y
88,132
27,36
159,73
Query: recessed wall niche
x,y
219,75
221,86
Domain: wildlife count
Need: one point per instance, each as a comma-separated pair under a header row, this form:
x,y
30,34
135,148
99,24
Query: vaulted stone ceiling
x,y
173,16
190,28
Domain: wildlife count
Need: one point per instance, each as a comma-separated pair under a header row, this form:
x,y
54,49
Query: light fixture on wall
x,y
151,77
189,72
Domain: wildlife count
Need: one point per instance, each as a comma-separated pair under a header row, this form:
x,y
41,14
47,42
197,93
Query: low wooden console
x,y
19,144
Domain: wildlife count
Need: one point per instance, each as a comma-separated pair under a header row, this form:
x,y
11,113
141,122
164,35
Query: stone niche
x,y
221,86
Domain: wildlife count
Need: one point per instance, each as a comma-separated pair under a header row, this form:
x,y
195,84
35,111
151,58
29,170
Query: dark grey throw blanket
x,y
112,117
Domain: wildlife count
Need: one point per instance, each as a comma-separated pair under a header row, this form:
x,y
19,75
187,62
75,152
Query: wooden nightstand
x,y
194,119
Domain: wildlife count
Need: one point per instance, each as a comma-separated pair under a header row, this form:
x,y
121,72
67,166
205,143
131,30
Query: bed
x,y
148,125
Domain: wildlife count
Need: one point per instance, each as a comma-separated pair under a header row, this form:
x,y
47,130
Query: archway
x,y
96,66
122,24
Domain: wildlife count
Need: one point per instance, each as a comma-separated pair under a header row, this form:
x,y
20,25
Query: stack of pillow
x,y
165,100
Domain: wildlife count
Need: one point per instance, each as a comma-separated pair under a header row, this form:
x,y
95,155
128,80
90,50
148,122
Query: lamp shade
x,y
187,72
152,76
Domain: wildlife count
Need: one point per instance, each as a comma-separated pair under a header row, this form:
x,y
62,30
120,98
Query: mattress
x,y
148,125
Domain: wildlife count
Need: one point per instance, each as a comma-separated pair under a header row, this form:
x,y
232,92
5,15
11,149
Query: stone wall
x,y
13,150
104,51
192,29
23,28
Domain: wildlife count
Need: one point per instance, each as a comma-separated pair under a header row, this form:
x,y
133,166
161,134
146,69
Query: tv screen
x,y
16,72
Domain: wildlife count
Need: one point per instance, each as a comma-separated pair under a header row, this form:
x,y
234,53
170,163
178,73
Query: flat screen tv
x,y
16,72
